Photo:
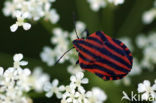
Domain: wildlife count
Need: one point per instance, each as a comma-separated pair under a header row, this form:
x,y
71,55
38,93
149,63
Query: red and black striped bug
x,y
108,58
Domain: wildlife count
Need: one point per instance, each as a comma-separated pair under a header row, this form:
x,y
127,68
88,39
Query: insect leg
x,y
77,62
87,32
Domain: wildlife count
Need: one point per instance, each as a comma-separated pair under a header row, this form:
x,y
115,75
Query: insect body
x,y
108,58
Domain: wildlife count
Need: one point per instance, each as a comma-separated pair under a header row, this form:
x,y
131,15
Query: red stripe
x,y
109,39
121,44
110,50
95,36
103,65
114,44
104,78
117,54
126,49
104,56
94,43
97,71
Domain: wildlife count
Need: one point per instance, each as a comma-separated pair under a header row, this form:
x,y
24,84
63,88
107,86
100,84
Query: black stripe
x,y
126,51
85,59
101,35
102,60
100,75
95,39
114,48
94,66
106,52
119,51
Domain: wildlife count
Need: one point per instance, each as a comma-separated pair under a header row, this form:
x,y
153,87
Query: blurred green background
x,y
123,20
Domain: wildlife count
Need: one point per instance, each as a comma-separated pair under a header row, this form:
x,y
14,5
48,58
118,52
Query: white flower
x,y
82,98
52,15
17,61
95,5
23,83
20,22
117,2
72,69
35,9
96,95
38,77
141,41
80,28
48,56
9,9
148,44
64,100
78,79
72,96
147,90
51,88
14,83
61,41
149,16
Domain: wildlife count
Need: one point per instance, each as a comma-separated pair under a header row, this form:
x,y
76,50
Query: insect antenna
x,y
63,55
74,23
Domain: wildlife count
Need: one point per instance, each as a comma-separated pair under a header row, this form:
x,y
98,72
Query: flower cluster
x,y
148,44
149,15
75,92
24,10
95,5
61,39
15,82
148,91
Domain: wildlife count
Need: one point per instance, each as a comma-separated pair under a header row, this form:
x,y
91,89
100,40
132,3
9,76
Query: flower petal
x,y
1,71
141,88
55,82
145,96
14,27
49,94
18,57
73,79
69,100
79,75
59,95
147,83
84,81
26,26
47,86
27,72
23,63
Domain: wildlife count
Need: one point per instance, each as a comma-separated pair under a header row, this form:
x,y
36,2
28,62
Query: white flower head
x,y
18,61
149,16
48,56
141,41
95,5
146,89
78,79
38,77
51,88
74,69
117,2
96,95
20,22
